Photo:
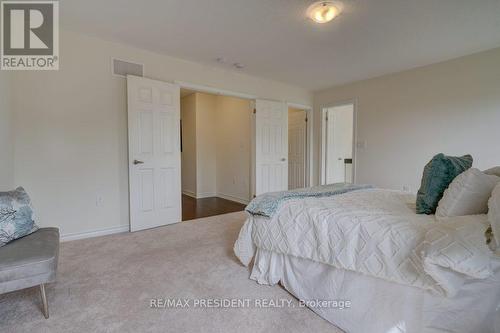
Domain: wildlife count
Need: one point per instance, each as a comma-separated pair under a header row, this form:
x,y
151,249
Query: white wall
x,y
71,125
188,155
406,118
206,145
71,128
233,148
6,134
222,131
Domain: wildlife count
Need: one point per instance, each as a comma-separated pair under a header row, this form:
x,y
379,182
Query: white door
x,y
297,127
339,143
271,146
154,153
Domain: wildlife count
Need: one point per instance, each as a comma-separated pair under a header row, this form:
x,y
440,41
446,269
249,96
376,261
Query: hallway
x,y
196,208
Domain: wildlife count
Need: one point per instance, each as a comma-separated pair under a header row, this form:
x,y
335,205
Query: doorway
x,y
215,153
155,143
338,144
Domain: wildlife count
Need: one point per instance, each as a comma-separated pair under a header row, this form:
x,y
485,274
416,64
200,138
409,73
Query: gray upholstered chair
x,y
30,261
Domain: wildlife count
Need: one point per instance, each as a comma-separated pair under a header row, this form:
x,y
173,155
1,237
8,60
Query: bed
x,y
398,271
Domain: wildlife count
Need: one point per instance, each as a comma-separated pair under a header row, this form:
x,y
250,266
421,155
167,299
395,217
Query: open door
x,y
338,144
271,146
297,148
154,153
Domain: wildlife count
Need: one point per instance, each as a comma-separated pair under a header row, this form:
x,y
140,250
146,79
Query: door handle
x,y
283,159
138,162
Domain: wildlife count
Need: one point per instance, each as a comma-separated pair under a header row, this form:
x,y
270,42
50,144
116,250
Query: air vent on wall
x,y
124,68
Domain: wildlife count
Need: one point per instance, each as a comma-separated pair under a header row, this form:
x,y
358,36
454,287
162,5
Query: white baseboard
x,y
199,195
125,228
205,195
94,233
220,195
189,193
233,198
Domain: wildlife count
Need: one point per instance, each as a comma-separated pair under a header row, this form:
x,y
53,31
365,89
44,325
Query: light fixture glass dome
x,y
323,11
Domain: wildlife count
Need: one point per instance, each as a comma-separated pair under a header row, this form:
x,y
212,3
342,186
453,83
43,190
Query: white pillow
x,y
467,194
493,171
494,214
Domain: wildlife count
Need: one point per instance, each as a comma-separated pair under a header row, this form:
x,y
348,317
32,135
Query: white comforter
x,y
374,232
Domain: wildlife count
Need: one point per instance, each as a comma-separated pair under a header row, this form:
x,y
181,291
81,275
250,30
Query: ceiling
x,y
274,39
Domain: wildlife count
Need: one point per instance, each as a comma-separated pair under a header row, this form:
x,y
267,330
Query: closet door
x,y
271,146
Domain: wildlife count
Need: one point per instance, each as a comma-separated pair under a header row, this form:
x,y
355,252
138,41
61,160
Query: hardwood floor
x,y
195,208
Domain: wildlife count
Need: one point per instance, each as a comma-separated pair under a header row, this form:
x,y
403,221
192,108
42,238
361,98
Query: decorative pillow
x,y
438,174
467,194
16,215
493,171
494,214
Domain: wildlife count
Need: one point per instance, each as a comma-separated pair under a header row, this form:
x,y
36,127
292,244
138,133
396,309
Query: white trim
x,y
323,108
212,90
94,233
252,148
233,198
189,193
205,195
299,106
218,195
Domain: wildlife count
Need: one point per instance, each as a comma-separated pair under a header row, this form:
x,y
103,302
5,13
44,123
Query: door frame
x,y
323,109
310,125
214,90
309,139
230,93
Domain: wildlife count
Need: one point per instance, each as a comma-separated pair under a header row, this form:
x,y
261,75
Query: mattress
x,y
376,233
377,305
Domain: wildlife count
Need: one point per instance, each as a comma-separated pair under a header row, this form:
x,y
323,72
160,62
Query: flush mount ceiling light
x,y
323,11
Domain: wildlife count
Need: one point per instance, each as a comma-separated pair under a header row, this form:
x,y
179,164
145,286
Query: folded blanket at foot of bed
x,y
268,203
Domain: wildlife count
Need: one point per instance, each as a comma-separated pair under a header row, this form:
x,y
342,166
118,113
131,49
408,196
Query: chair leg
x,y
45,306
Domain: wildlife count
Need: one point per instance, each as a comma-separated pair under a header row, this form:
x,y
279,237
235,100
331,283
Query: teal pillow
x,y
16,215
438,174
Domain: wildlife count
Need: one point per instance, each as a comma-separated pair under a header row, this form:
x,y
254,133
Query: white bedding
x,y
377,233
379,306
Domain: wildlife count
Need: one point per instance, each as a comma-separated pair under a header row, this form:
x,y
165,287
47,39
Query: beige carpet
x,y
105,285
